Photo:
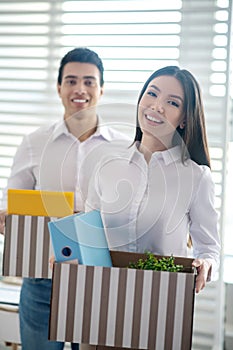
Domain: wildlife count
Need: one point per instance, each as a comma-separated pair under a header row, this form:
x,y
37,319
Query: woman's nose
x,y
158,107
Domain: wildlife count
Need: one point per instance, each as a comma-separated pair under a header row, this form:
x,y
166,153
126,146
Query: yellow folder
x,y
40,203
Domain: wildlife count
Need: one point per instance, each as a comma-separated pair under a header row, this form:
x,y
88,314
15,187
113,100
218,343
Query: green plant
x,y
152,263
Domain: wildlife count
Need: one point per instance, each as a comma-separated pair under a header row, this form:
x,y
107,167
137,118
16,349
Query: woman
x,y
160,191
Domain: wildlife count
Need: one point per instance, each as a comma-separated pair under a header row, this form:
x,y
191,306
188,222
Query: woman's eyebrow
x,y
178,97
155,87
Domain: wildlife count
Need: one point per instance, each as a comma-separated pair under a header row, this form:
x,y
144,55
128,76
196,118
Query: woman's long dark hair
x,y
192,138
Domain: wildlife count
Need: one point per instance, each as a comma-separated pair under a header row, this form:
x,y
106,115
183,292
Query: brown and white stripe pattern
x,y
27,247
122,307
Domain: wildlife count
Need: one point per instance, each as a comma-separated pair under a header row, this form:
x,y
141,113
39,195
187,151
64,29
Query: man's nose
x,y
80,88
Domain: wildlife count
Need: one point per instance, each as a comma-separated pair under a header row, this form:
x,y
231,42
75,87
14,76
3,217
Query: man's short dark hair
x,y
83,55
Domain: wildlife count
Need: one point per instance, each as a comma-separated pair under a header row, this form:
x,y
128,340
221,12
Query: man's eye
x,y
71,82
89,83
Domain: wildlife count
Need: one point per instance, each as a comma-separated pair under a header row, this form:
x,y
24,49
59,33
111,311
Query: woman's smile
x,y
154,119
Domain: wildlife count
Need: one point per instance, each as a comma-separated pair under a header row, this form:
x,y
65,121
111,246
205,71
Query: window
x,y
132,37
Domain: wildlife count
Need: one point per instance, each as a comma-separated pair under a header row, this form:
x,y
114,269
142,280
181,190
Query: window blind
x,y
132,37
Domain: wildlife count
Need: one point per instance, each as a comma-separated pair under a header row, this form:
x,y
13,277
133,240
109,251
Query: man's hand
x,y
3,214
51,261
203,271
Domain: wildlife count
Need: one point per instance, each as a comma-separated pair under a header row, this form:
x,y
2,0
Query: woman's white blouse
x,y
155,206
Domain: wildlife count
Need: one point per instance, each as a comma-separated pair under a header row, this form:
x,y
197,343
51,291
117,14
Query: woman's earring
x,y
182,125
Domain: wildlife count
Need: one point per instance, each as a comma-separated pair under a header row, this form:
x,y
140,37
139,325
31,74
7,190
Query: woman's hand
x,y
203,272
3,214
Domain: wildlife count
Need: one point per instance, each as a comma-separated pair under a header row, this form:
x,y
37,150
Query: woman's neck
x,y
150,145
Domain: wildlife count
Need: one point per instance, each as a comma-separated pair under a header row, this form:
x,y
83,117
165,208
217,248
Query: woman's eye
x,y
174,103
151,93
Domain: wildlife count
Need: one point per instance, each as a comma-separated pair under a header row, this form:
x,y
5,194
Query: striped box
x,y
27,247
120,307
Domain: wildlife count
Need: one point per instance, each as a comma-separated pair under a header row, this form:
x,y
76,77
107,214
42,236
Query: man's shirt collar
x,y
102,130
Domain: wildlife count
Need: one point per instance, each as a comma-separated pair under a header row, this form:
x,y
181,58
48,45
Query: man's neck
x,y
83,128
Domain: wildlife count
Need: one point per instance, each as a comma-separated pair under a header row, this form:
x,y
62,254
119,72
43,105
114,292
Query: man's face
x,y
80,88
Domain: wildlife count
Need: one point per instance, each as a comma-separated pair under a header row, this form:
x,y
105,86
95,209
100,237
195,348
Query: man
x,y
53,158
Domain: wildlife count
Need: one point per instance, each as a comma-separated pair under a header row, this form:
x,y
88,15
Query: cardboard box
x,y
40,203
121,307
27,247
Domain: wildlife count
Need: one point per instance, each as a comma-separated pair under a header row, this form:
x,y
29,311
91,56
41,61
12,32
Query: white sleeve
x,y
204,223
21,176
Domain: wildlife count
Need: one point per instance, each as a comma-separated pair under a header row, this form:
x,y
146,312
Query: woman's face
x,y
161,107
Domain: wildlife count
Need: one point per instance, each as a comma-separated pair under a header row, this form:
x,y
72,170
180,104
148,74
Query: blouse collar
x,y
168,156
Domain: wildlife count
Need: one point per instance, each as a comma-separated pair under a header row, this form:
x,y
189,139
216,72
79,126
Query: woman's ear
x,y
182,124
